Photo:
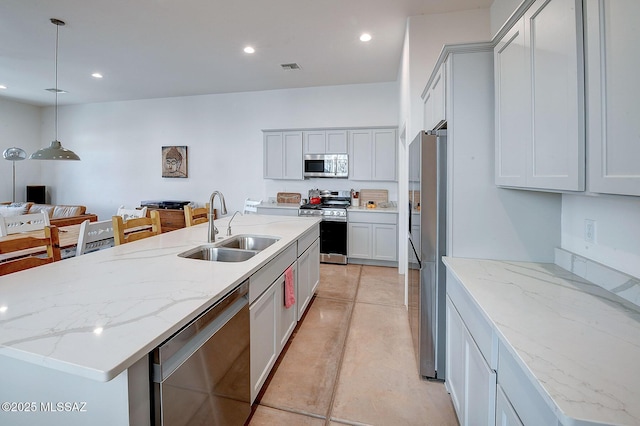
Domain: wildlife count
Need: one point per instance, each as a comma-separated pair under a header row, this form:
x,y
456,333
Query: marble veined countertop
x,y
96,315
580,342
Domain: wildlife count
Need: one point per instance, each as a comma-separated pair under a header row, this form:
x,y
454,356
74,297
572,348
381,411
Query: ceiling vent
x,y
292,66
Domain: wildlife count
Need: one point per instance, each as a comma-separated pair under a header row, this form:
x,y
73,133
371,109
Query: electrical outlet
x,y
590,231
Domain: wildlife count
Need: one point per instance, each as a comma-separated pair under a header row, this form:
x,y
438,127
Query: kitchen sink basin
x,y
218,254
248,242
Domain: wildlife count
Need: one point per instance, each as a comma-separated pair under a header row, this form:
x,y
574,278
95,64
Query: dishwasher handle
x,y
169,356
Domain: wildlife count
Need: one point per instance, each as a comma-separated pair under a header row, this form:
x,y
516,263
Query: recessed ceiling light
x,y
249,49
365,37
2,87
96,75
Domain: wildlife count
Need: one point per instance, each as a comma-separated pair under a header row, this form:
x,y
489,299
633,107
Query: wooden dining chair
x,y
136,229
94,236
32,257
23,223
131,213
196,215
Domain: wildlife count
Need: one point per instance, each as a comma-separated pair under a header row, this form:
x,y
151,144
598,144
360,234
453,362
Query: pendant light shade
x,y
55,151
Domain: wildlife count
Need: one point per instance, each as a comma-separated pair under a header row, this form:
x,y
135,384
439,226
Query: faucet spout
x,y
229,224
223,210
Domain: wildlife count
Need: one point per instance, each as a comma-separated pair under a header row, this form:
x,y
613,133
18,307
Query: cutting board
x,y
377,195
288,197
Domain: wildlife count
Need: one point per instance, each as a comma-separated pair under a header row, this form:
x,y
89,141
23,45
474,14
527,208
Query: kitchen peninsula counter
x,y
95,315
576,344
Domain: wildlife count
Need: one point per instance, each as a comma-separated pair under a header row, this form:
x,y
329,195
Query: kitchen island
x,y
546,346
76,334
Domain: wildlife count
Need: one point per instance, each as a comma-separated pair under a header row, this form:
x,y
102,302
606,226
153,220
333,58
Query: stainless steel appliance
x,y
326,165
201,375
427,245
333,228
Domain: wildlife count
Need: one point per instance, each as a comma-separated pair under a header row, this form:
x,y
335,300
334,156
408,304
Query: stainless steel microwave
x,y
326,165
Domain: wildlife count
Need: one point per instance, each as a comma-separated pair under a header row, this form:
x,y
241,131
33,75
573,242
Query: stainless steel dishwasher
x,y
201,375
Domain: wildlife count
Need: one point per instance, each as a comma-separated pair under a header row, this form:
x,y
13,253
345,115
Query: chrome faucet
x,y
229,225
223,210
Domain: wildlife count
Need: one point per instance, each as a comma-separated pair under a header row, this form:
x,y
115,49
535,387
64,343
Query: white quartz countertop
x,y
579,342
280,205
97,314
376,210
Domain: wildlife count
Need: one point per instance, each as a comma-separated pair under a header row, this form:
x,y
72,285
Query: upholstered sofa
x,y
59,215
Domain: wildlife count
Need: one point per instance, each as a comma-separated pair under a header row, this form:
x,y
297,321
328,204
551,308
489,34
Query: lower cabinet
x,y
505,414
308,276
271,322
373,236
470,380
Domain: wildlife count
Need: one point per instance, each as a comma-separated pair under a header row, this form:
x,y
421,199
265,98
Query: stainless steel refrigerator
x,y
427,245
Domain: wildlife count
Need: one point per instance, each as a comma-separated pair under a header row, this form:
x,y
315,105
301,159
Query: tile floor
x,y
351,360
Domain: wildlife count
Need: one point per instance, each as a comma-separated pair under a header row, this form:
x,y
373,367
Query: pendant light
x,y
55,151
14,154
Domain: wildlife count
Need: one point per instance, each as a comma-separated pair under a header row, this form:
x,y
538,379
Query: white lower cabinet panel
x,y
264,347
308,276
505,414
470,380
525,399
287,317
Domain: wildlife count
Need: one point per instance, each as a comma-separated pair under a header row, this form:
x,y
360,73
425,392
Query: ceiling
x,y
164,48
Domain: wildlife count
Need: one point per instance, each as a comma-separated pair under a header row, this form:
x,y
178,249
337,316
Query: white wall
x,y
617,243
19,127
120,143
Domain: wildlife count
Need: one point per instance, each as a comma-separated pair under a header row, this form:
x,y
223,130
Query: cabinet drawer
x,y
266,275
305,241
477,324
391,218
520,391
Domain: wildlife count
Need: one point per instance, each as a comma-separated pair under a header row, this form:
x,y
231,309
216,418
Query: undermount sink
x,y
234,249
248,242
218,254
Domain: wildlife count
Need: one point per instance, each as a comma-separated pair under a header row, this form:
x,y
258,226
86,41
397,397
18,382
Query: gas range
x,y
333,206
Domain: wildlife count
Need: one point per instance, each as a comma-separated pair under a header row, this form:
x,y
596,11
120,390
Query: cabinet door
x,y
292,161
455,359
613,60
304,281
434,101
505,414
512,107
314,142
336,142
361,155
287,317
264,345
385,242
314,266
480,387
385,148
359,237
273,156
553,39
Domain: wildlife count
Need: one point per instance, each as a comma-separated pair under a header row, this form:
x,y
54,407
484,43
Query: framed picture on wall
x,y
174,162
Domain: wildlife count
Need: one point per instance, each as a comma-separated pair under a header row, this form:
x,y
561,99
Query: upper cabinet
x,y
613,60
283,155
539,93
325,141
434,100
373,155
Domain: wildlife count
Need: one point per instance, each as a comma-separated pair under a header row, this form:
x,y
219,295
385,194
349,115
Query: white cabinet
x,y
434,100
264,345
373,155
470,380
372,236
325,141
613,60
505,414
287,318
283,155
539,92
308,276
277,211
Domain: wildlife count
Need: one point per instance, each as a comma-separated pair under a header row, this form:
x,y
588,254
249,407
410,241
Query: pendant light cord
x,y
56,107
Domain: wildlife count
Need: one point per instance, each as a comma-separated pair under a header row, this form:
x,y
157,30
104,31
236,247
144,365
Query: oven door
x,y
333,242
